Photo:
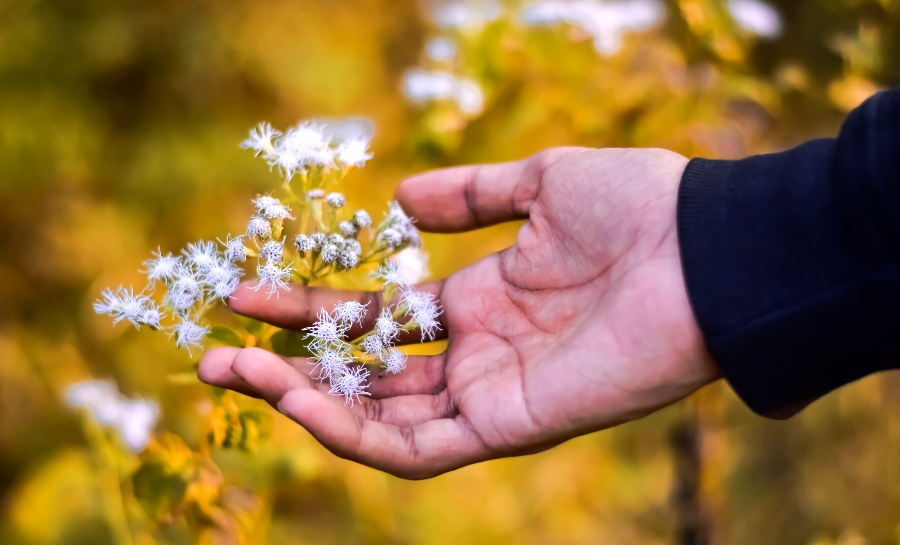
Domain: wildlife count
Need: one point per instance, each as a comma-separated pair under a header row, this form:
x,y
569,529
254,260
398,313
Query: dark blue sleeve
x,y
792,260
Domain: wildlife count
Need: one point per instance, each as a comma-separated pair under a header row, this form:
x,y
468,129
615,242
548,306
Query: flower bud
x,y
259,227
304,244
347,259
335,200
348,229
315,194
391,237
330,253
235,250
361,219
318,240
354,246
336,239
272,251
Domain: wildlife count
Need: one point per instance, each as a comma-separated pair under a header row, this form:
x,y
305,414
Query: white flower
x,y
336,239
391,237
353,152
277,212
274,277
225,288
386,327
259,227
163,267
412,264
315,194
394,360
202,255
351,384
265,201
332,364
441,49
347,259
348,229
390,273
235,250
330,253
350,311
273,251
362,219
335,200
122,305
134,419
327,332
185,290
188,334
756,16
424,312
301,146
354,246
304,244
261,139
318,240
373,345
152,315
222,271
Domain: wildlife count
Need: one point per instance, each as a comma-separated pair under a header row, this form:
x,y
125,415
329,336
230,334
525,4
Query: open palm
x,y
582,325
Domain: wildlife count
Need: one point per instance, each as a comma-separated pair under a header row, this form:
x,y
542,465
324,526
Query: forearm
x,y
791,260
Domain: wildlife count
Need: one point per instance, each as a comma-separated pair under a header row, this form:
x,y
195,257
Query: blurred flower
x,y
421,85
412,264
756,16
441,49
261,138
353,152
605,21
134,419
459,13
390,273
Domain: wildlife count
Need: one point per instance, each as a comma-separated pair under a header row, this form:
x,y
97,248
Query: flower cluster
x,y
328,238
335,356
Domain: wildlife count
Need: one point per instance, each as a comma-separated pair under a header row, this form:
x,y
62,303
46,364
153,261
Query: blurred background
x,y
119,132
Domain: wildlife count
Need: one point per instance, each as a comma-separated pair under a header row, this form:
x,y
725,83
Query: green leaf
x,y
157,489
226,337
291,343
254,327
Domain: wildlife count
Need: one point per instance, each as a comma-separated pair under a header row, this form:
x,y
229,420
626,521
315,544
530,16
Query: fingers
x,y
416,451
298,308
259,373
463,198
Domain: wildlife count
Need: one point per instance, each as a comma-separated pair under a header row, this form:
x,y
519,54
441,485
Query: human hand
x,y
583,324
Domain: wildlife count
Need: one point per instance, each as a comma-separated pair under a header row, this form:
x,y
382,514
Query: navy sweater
x,y
792,260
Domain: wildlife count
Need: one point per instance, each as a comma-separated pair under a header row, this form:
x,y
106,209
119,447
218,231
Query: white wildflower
x,y
132,418
386,327
351,384
318,240
327,332
222,271
259,227
353,152
350,311
391,237
122,305
185,290
152,315
335,200
390,273
373,345
336,239
273,251
225,288
277,212
423,311
304,244
315,194
332,364
330,253
394,360
188,334
362,219
354,246
274,277
300,147
348,229
234,249
347,259
412,264
261,139
202,254
265,201
163,267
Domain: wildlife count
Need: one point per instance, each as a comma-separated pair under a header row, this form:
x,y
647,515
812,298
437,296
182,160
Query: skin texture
x,y
583,324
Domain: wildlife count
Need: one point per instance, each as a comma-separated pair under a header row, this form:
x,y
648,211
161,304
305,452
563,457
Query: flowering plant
x,y
184,289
